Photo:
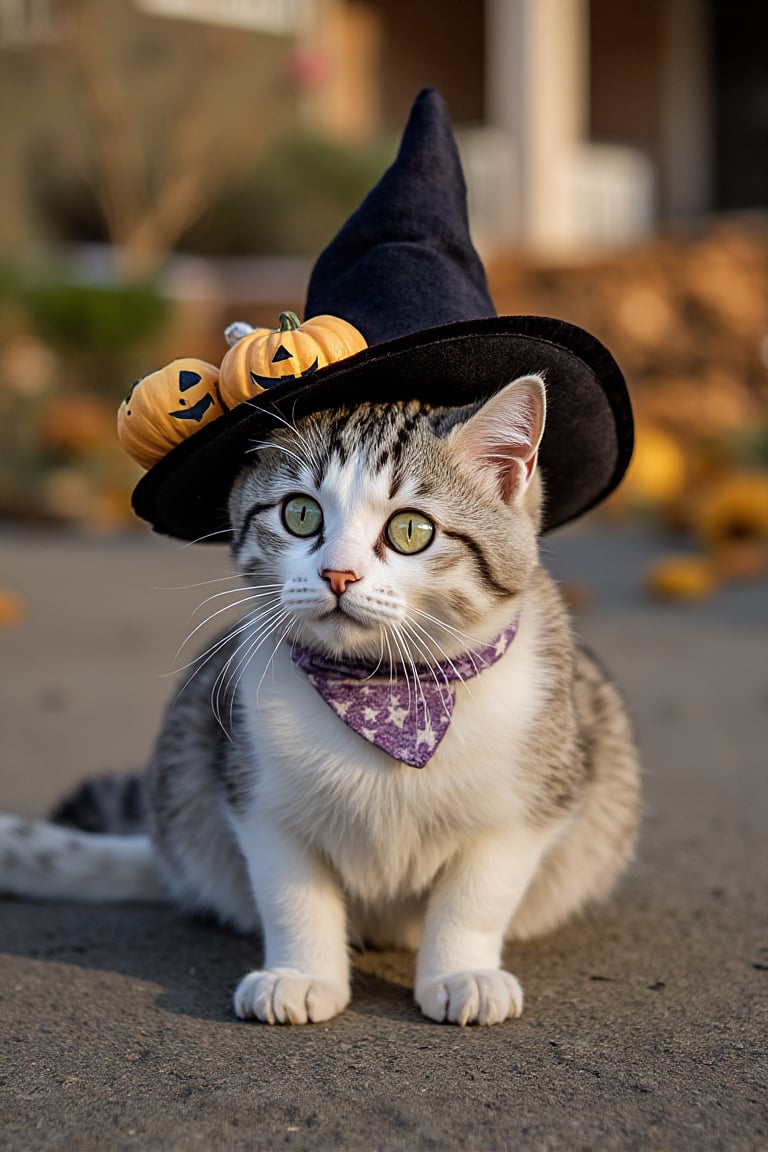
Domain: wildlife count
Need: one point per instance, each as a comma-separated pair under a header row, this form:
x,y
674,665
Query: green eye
x,y
409,532
302,516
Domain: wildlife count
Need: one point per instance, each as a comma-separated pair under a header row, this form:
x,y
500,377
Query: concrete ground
x,y
645,1025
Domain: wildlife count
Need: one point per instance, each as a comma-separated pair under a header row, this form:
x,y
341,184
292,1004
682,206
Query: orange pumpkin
x,y
736,509
11,608
166,407
264,357
684,577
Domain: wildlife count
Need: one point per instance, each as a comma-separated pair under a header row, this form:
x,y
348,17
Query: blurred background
x,y
169,166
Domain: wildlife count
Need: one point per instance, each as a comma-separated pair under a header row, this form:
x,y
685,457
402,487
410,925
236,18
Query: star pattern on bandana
x,y
395,714
405,718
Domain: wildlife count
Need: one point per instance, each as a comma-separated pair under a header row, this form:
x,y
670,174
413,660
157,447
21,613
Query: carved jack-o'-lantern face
x,y
264,357
166,407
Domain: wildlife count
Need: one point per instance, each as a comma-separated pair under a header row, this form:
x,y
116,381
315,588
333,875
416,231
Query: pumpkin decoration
x,y
166,407
260,358
736,509
681,577
11,608
657,472
742,560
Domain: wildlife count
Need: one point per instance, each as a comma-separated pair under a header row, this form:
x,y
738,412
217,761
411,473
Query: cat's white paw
x,y
485,997
287,996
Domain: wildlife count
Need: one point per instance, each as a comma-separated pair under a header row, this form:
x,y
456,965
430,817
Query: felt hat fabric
x,y
404,272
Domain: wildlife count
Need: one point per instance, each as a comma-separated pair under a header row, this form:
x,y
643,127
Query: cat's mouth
x,y
340,613
343,625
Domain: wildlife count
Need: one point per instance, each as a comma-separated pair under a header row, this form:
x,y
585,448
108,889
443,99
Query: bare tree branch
x,y
119,157
147,201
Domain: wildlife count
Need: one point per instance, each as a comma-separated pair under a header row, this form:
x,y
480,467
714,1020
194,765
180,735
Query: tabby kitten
x,y
399,742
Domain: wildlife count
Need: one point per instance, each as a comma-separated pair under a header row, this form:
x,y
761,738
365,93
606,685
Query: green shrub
x,y
103,320
299,195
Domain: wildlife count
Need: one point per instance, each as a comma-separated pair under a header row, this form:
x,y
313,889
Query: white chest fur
x,y
387,827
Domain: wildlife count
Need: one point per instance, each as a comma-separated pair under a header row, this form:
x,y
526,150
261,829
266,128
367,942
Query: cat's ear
x,y
502,439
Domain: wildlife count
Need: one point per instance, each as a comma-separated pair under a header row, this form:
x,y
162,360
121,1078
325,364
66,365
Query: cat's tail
x,y
95,848
114,803
44,861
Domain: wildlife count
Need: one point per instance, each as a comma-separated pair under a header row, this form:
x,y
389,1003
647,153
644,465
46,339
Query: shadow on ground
x,y
645,1025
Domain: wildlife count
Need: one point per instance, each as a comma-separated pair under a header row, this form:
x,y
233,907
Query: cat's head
x,y
394,532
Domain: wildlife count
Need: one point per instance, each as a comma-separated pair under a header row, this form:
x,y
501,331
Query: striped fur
x,y
267,811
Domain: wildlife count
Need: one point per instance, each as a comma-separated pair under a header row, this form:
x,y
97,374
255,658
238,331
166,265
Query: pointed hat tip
x,y
430,96
429,117
404,259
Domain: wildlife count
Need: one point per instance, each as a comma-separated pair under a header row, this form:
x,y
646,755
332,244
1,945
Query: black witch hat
x,y
404,272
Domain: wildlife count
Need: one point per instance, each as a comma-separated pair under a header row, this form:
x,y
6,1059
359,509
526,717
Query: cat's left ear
x,y
503,438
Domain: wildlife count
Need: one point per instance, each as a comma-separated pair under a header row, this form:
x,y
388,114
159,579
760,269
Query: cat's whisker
x,y
301,442
270,662
262,444
243,625
321,448
427,665
431,640
223,682
392,632
423,642
407,654
402,644
256,589
314,446
457,632
275,624
385,640
257,627
201,539
249,620
375,670
202,658
310,452
292,428
248,649
443,687
200,584
316,450
264,589
416,677
212,616
299,637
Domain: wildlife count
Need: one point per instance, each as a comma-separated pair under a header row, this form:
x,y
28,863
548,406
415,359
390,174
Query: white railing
x,y
606,195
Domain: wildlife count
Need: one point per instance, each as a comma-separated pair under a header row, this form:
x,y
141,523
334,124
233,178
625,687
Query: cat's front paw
x,y
485,997
287,996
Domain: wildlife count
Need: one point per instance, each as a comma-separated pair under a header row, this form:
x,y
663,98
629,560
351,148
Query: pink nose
x,y
339,580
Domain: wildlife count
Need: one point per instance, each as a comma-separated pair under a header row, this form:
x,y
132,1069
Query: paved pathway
x,y
645,1026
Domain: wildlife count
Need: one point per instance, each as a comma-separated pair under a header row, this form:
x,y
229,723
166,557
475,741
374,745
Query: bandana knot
x,y
407,718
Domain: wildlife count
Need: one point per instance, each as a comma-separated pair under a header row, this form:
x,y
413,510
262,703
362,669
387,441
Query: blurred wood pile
x,y
686,316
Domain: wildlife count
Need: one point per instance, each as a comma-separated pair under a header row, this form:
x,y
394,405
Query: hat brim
x,y
584,453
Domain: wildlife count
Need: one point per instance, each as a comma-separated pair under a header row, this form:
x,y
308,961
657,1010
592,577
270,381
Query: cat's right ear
x,y
502,439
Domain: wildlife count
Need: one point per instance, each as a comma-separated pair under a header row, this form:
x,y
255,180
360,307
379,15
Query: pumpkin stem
x,y
289,321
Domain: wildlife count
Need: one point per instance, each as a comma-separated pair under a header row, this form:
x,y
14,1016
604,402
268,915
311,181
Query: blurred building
x,y
592,120
582,123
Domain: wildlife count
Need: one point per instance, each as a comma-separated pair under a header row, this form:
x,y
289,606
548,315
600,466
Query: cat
x,y
389,554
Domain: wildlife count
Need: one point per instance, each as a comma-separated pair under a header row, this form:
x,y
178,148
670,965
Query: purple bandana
x,y
407,720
